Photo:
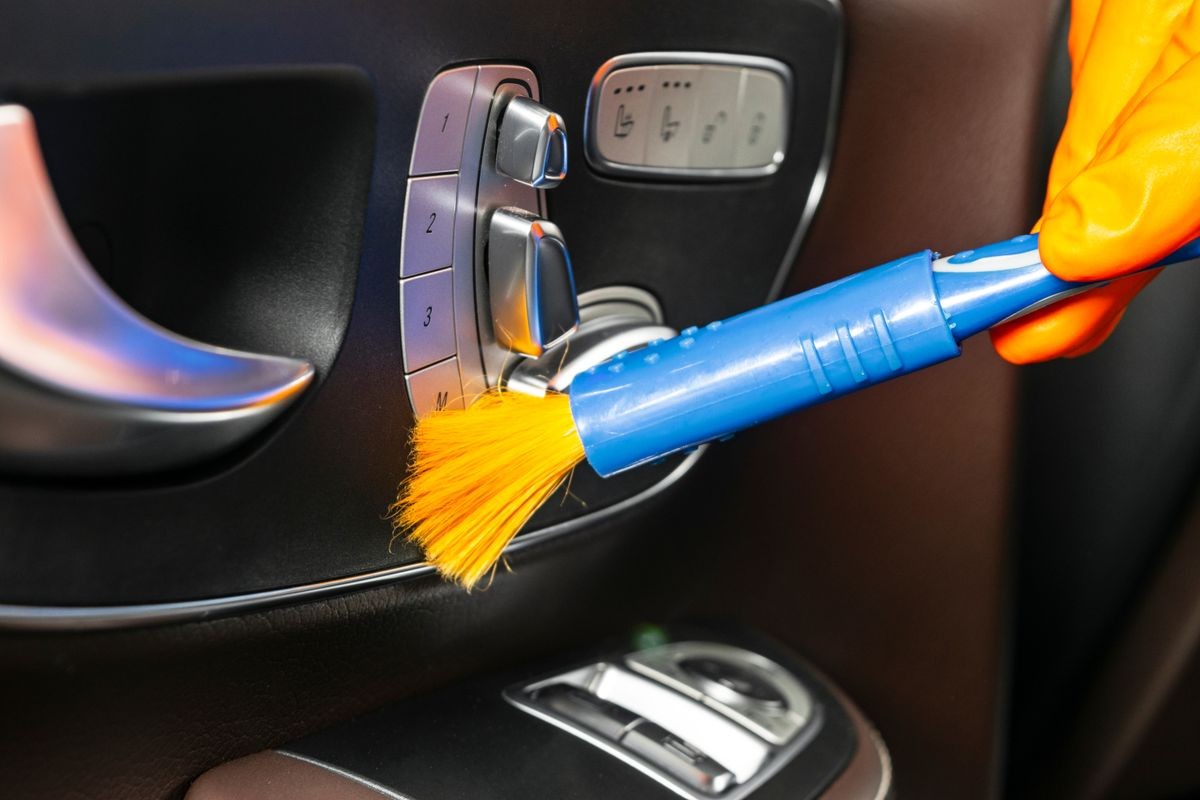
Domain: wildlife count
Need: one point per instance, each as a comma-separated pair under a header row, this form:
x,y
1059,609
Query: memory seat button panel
x,y
442,363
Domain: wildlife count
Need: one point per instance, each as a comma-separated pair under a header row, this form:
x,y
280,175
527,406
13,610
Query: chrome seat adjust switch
x,y
531,145
532,287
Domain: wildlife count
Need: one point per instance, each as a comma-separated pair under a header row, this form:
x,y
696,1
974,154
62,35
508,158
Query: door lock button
x,y
531,144
532,288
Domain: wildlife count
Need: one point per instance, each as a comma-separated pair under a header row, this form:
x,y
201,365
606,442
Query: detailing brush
x,y
477,475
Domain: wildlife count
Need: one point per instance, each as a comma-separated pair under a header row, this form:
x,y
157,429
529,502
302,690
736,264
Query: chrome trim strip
x,y
885,765
592,302
87,618
817,190
348,775
656,58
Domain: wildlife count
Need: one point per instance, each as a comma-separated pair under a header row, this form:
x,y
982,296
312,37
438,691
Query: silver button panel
x,y
452,179
688,116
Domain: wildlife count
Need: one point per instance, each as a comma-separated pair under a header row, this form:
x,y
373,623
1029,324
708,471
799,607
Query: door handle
x,y
87,385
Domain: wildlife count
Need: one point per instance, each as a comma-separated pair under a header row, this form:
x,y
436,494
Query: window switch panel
x,y
688,714
677,758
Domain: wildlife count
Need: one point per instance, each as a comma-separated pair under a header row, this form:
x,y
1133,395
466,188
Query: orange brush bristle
x,y
476,477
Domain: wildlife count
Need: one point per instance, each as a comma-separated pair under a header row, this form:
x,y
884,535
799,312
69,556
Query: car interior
x,y
245,246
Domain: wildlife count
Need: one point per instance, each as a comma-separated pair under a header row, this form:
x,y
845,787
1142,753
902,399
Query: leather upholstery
x,y
274,776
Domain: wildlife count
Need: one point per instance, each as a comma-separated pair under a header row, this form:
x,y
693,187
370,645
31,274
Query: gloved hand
x,y
1124,187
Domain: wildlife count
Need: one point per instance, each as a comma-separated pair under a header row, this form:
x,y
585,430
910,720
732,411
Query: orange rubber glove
x,y
1124,187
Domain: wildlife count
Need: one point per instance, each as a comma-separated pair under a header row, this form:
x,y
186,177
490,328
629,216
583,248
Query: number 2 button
x,y
428,224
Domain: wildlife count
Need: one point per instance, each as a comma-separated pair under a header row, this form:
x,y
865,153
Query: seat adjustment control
x,y
688,116
531,285
531,144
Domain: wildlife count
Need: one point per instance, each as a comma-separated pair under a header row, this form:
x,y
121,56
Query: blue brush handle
x,y
983,287
708,383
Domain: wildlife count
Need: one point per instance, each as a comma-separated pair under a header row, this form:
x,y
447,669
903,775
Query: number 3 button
x,y
427,319
428,224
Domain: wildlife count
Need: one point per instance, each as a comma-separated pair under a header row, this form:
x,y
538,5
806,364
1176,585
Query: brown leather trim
x,y
275,776
868,776
272,775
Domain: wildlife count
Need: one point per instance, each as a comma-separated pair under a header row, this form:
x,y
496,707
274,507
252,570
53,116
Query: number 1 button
x,y
443,122
428,224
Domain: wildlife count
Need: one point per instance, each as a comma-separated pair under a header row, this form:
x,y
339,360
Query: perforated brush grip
x,y
710,382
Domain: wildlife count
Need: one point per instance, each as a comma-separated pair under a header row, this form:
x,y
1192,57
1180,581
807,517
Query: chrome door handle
x,y
87,385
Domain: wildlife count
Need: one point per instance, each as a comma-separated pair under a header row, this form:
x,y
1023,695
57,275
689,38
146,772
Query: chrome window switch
x,y
677,757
